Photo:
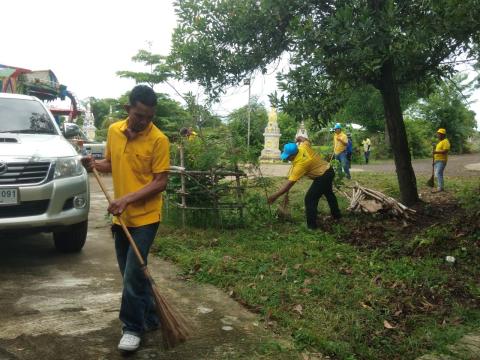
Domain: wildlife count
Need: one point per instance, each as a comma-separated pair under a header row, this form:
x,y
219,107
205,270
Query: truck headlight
x,y
68,166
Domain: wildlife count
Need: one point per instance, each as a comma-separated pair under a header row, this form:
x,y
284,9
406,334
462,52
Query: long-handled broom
x,y
431,181
174,329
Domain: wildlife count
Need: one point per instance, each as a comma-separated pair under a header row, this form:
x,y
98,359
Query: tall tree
x,y
310,95
159,70
447,107
237,123
384,43
101,108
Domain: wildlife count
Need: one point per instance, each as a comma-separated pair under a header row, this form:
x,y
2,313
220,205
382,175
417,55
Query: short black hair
x,y
143,94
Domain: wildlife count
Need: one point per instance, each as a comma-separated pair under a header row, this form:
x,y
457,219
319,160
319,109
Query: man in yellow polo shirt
x,y
340,142
137,155
189,133
440,157
306,162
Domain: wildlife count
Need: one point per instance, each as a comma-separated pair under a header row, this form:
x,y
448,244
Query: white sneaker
x,y
129,342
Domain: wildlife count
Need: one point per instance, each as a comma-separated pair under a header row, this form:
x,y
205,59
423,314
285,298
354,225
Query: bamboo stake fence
x,y
214,191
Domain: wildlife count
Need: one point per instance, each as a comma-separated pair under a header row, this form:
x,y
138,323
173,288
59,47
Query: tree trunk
x,y
387,138
398,135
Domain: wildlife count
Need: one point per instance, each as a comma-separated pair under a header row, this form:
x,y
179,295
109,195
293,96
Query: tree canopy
x,y
237,123
447,107
170,116
383,43
159,72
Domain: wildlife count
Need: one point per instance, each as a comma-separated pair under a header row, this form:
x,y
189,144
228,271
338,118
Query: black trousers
x,y
322,185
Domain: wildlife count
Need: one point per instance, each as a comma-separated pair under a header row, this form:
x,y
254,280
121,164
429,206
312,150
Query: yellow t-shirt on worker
x,y
441,146
338,146
307,162
133,164
193,135
366,144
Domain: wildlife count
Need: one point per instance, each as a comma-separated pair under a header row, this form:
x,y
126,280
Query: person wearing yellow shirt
x,y
137,155
189,133
306,162
340,142
366,149
440,157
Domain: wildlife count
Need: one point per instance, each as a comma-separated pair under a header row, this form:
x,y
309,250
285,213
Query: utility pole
x,y
248,82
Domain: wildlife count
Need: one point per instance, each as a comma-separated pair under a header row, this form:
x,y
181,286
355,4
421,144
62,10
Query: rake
x,y
173,325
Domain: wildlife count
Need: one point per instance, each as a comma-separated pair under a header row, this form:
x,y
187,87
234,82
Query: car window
x,y
24,116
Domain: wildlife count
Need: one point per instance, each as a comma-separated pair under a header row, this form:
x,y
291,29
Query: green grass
x,y
338,296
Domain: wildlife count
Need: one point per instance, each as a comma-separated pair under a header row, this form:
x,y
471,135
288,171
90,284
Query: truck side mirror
x,y
70,131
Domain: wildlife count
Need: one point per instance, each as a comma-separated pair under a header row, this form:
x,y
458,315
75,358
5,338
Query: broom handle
x,y
122,224
433,162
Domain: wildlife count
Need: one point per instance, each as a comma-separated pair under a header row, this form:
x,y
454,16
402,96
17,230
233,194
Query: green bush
x,y
420,137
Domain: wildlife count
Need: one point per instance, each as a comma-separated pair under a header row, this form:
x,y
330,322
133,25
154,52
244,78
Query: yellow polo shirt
x,y
192,136
339,147
307,162
133,164
441,146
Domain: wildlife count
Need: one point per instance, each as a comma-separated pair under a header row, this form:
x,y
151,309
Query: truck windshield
x,y
24,116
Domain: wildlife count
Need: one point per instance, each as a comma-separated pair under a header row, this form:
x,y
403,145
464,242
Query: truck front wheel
x,y
72,238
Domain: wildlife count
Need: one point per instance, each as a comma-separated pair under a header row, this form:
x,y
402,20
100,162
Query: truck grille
x,y
26,208
22,173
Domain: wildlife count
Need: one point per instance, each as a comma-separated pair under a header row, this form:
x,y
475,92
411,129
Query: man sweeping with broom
x,y
137,155
306,162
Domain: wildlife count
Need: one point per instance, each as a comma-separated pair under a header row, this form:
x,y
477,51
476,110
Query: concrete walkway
x,y
65,307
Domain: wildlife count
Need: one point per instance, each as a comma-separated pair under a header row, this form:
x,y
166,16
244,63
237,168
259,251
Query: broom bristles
x,y
173,325
283,210
431,182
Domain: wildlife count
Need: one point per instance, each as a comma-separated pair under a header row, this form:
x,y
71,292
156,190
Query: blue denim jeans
x,y
137,310
367,156
342,157
439,168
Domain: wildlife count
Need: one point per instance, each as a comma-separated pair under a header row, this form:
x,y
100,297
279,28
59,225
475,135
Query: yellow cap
x,y
442,131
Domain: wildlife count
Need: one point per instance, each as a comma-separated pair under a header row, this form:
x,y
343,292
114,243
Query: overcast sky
x,y
85,42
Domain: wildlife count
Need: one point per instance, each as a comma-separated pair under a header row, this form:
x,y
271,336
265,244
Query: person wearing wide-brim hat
x,y
306,162
440,157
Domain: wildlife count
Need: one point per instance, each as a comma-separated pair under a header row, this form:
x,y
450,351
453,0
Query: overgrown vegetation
x,y
364,288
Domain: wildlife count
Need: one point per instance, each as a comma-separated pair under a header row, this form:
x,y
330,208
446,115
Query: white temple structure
x,y
272,135
302,131
89,124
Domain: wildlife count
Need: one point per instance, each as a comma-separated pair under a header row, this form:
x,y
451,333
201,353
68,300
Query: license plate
x,y
8,196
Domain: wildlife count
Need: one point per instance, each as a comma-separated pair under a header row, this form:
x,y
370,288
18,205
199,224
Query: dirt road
x,y
55,306
458,165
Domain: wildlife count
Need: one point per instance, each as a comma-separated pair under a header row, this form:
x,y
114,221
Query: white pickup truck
x,y
43,185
